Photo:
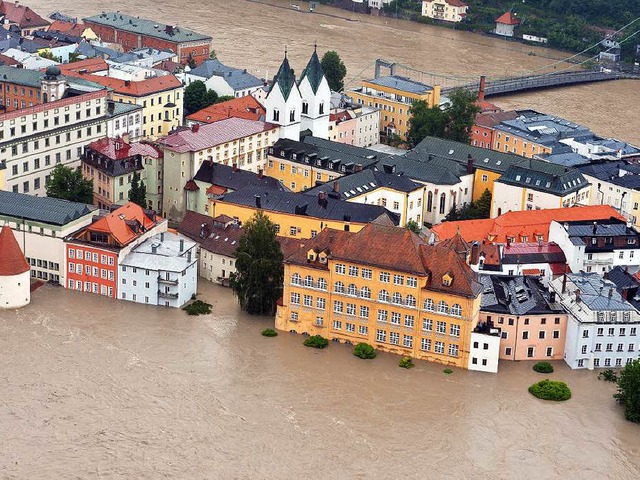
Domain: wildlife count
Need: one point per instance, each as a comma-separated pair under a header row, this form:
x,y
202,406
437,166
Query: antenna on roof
x,y
315,46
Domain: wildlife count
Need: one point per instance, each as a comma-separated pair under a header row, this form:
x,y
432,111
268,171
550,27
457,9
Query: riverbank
x,y
94,388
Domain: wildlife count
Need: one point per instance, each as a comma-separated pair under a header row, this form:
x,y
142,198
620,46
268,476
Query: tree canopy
x,y
197,97
138,191
259,270
453,122
68,184
629,390
334,69
480,208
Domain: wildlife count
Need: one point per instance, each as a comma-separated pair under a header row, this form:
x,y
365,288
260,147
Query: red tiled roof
x,y
516,224
508,18
191,186
559,268
531,271
21,15
115,223
456,3
168,66
140,88
118,149
245,107
70,28
216,190
492,119
8,61
88,66
12,259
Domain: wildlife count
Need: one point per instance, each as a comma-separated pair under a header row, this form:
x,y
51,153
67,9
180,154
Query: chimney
x,y
235,167
469,164
357,168
336,186
610,292
475,254
260,173
578,299
195,127
564,283
508,242
154,249
595,227
483,80
181,244
162,237
258,201
552,296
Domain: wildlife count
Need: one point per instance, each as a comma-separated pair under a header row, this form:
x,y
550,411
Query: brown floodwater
x,y
97,388
254,34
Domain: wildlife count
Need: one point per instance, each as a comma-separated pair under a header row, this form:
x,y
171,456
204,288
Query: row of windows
x,y
441,327
609,348
43,264
91,287
526,321
86,255
57,121
611,331
91,271
607,362
367,273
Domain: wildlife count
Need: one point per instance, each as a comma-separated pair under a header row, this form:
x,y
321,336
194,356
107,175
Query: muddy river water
x,y
95,388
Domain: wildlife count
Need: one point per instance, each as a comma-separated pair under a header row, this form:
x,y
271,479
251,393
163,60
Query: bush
x,y
316,341
629,391
364,350
198,308
406,362
269,332
550,390
543,367
448,371
608,376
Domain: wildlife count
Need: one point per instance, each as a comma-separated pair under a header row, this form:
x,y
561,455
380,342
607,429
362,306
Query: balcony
x,y
170,296
168,281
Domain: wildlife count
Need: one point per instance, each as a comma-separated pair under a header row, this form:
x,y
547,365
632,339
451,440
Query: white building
x,y
284,102
506,24
29,61
316,98
484,350
124,119
225,81
40,225
597,246
602,327
15,285
447,10
162,270
355,125
37,138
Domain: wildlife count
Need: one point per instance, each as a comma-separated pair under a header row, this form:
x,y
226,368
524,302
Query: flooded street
x,y
95,388
253,35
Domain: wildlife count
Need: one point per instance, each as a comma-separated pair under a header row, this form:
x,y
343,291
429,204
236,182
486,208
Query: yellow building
x,y
298,215
3,171
394,95
160,97
511,142
416,299
302,165
446,10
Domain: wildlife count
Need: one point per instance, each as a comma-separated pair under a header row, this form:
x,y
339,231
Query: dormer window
x,y
311,255
322,257
631,241
447,279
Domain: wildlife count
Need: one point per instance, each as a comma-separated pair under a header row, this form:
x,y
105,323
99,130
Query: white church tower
x,y
316,98
54,84
283,102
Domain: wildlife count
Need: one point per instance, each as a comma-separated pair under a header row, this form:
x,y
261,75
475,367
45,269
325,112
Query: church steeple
x,y
313,71
283,102
285,79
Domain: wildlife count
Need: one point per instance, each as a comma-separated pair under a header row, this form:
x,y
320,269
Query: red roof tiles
x,y
245,107
88,66
140,88
508,18
118,223
118,149
12,261
21,15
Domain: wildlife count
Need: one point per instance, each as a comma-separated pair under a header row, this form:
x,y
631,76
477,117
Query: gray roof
x,y
41,209
617,172
594,292
434,172
462,152
146,27
516,295
167,255
541,128
21,76
603,228
544,177
364,182
121,108
225,176
307,206
237,78
402,83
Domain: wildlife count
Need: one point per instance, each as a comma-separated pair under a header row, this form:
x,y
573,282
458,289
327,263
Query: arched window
x,y
352,290
443,201
308,281
397,298
305,108
276,115
443,307
383,296
411,301
365,292
456,310
339,287
296,279
429,201
322,284
292,115
321,108
428,305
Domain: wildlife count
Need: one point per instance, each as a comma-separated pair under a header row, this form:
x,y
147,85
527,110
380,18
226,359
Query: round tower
x,y
15,285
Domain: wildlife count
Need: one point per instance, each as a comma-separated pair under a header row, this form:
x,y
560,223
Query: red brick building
x,y
133,32
483,130
93,253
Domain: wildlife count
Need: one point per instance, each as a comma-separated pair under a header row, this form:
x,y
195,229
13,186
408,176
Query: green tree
x,y
210,98
461,115
68,184
194,97
425,121
413,226
259,269
138,191
334,69
629,391
224,98
483,205
213,54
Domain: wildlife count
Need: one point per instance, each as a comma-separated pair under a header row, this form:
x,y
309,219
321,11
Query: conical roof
x,y
12,261
313,71
285,78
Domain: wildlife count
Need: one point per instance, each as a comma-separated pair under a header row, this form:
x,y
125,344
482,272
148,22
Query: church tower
x,y
316,98
54,85
283,102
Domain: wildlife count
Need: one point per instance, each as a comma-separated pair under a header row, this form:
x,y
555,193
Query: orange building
x,y
482,133
19,88
93,253
525,226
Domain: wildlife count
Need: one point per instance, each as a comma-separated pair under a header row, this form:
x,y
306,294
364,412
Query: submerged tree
x,y
259,269
629,390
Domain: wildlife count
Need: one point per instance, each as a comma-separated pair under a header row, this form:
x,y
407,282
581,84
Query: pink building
x,y
533,324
